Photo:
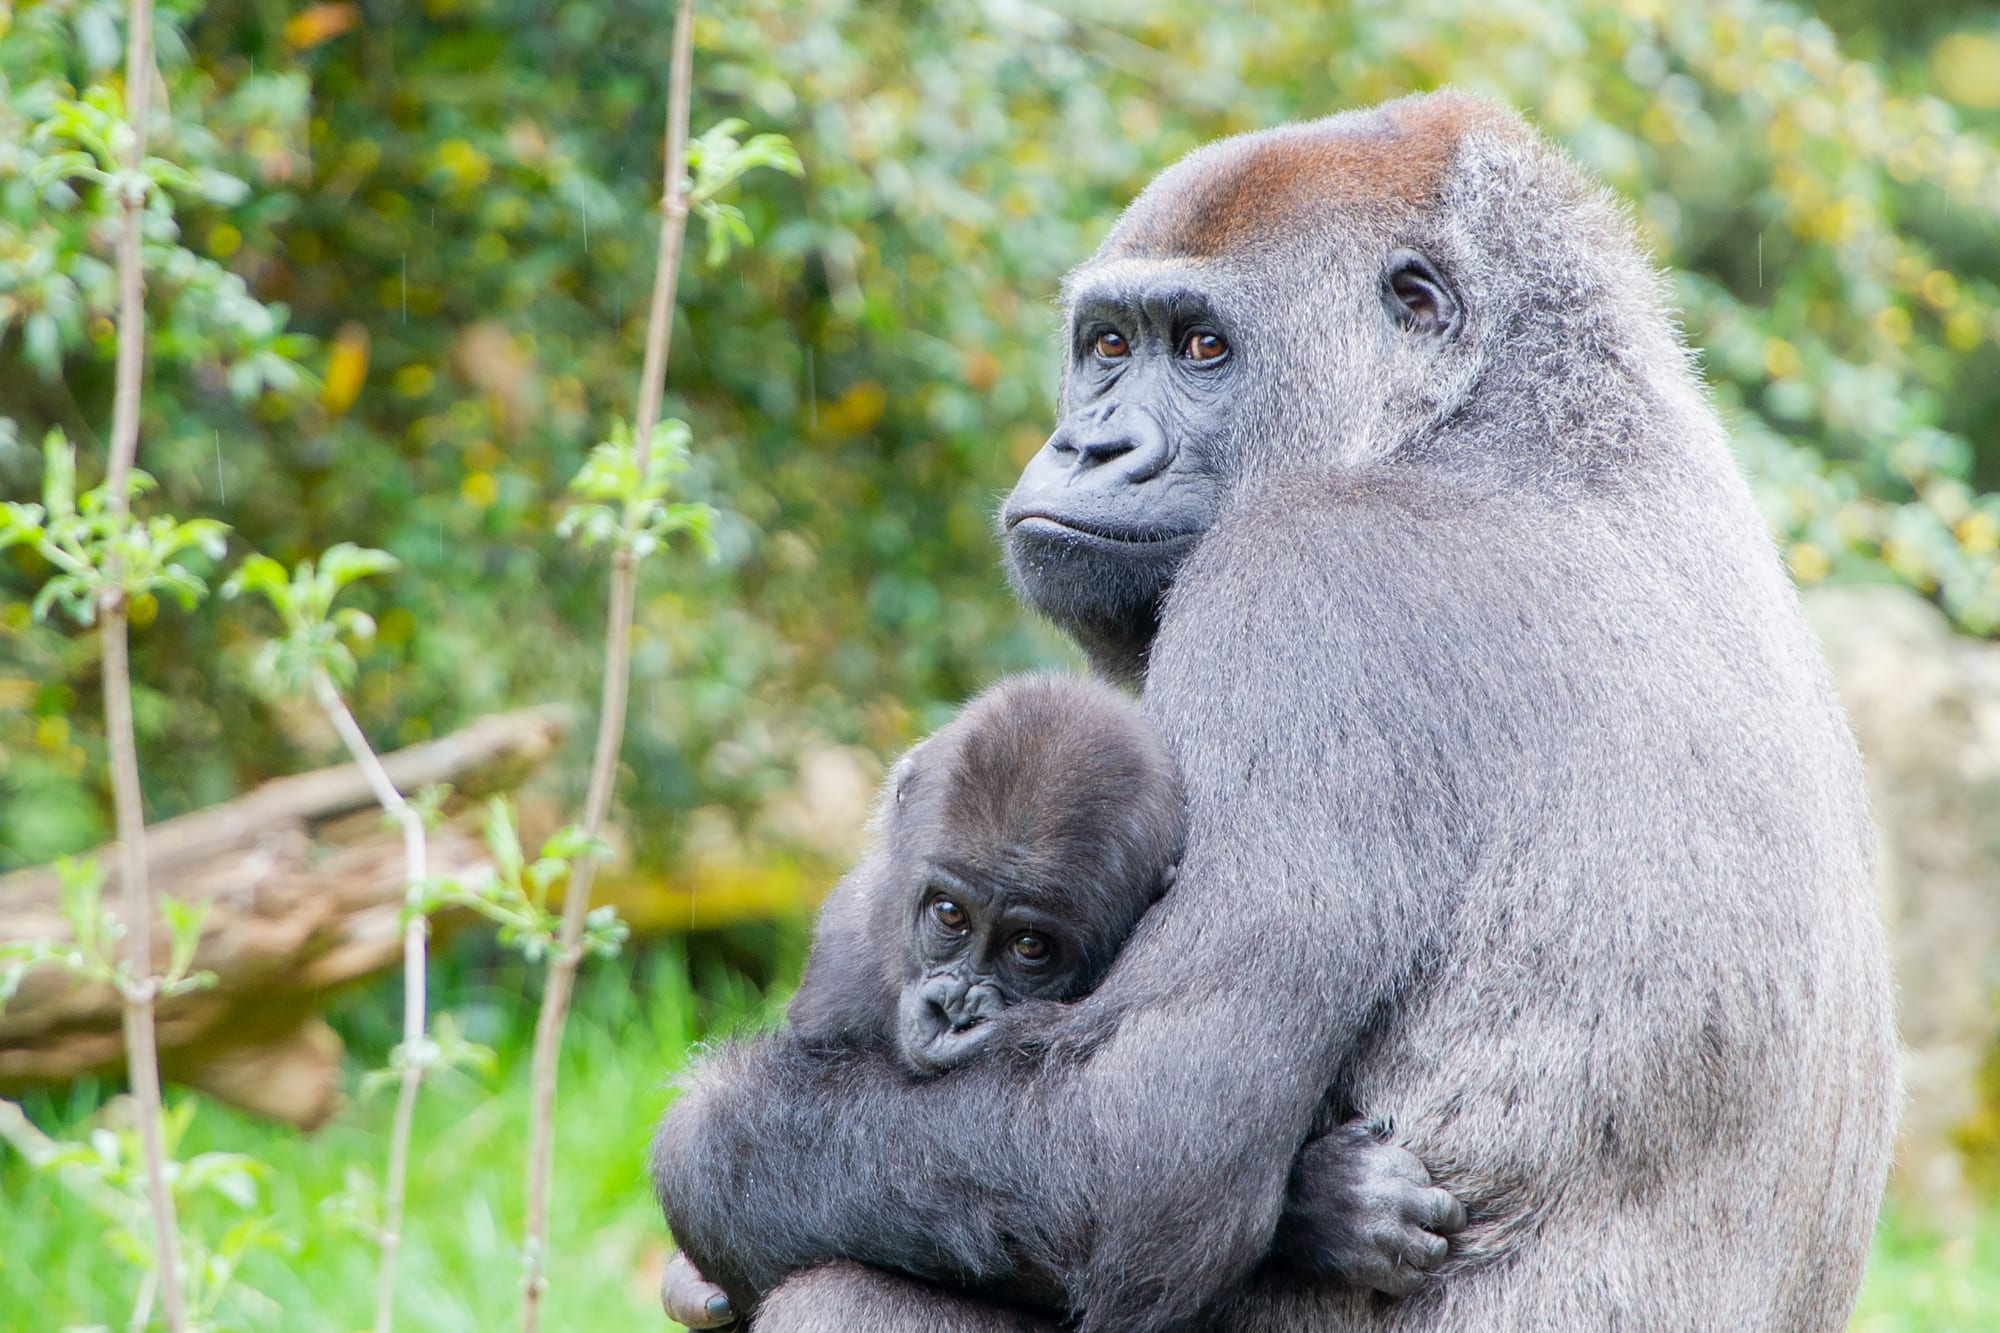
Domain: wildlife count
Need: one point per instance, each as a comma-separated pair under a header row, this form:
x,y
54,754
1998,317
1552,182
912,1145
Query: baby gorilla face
x,y
979,949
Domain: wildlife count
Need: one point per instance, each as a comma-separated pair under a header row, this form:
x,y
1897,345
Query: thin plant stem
x,y
140,987
142,1304
38,1150
415,871
617,679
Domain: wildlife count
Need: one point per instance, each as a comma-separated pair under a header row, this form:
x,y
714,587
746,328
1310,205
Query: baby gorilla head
x,y
1028,838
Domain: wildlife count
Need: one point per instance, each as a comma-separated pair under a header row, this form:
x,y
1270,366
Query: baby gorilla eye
x,y
948,914
1204,348
1111,345
1030,948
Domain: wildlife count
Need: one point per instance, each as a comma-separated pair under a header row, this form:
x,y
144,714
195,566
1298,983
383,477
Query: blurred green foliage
x,y
296,1214
399,259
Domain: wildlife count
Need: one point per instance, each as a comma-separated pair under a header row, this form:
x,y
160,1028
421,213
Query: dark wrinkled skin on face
x,y
1133,475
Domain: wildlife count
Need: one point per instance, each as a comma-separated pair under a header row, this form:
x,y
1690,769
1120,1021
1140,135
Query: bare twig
x,y
141,1057
415,869
617,676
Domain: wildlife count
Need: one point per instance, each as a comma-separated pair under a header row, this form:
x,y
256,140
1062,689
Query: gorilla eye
x,y
1204,348
1030,948
948,914
1111,345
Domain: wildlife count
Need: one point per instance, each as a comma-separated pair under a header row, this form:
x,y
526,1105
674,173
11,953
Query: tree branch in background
x,y
617,675
313,654
140,987
412,1057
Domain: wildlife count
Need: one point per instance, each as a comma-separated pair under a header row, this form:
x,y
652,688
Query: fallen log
x,y
304,887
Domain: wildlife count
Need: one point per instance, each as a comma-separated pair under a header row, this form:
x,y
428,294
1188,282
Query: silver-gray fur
x,y
1523,815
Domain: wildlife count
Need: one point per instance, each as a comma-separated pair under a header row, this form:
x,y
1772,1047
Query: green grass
x,y
634,1025
460,1266
1920,1281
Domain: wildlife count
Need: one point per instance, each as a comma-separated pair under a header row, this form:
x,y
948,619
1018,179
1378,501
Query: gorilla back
x,y
1522,814
1490,559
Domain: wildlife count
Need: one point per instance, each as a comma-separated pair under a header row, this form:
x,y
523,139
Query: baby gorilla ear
x,y
903,779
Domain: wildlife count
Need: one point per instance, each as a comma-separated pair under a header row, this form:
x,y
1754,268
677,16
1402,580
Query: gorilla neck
x,y
1118,649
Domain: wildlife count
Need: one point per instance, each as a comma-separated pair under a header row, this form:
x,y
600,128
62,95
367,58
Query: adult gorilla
x,y
1523,816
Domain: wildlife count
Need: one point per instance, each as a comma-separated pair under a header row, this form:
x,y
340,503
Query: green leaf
x,y
604,934
20,523
228,1175
184,922
428,802
58,476
41,344
572,841
260,574
345,562
501,839
82,897
354,624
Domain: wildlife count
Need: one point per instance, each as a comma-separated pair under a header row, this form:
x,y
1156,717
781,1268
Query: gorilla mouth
x,y
948,1046
1037,523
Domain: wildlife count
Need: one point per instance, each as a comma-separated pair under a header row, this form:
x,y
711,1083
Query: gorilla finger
x,y
691,1299
1440,1211
1402,1164
1390,1278
1422,1251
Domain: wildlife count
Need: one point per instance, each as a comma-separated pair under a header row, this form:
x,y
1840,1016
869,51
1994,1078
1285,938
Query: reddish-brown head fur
x,y
1258,185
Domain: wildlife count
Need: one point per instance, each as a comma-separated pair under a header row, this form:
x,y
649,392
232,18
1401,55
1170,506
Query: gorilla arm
x,y
1095,1186
1316,725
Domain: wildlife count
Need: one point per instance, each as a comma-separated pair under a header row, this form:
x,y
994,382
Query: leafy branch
x,y
91,952
624,486
313,655
624,490
514,893
107,1170
99,549
717,159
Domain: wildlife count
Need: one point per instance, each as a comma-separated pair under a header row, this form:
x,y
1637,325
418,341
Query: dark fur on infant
x,y
1018,848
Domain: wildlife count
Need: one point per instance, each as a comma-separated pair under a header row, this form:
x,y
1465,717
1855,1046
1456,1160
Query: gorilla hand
x,y
1363,1210
691,1299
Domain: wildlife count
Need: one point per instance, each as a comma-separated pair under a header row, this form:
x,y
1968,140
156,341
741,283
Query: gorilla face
x,y
1104,514
980,949
1156,392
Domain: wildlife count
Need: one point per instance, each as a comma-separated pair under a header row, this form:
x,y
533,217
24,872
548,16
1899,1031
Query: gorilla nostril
x,y
1106,449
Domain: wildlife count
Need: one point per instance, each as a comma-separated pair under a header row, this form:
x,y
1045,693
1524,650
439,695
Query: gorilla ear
x,y
1418,299
903,777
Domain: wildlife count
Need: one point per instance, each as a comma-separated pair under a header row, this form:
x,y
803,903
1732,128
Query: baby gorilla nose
x,y
950,1019
961,1004
944,1021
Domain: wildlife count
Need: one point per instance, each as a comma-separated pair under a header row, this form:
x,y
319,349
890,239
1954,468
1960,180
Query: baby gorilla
x,y
1019,846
